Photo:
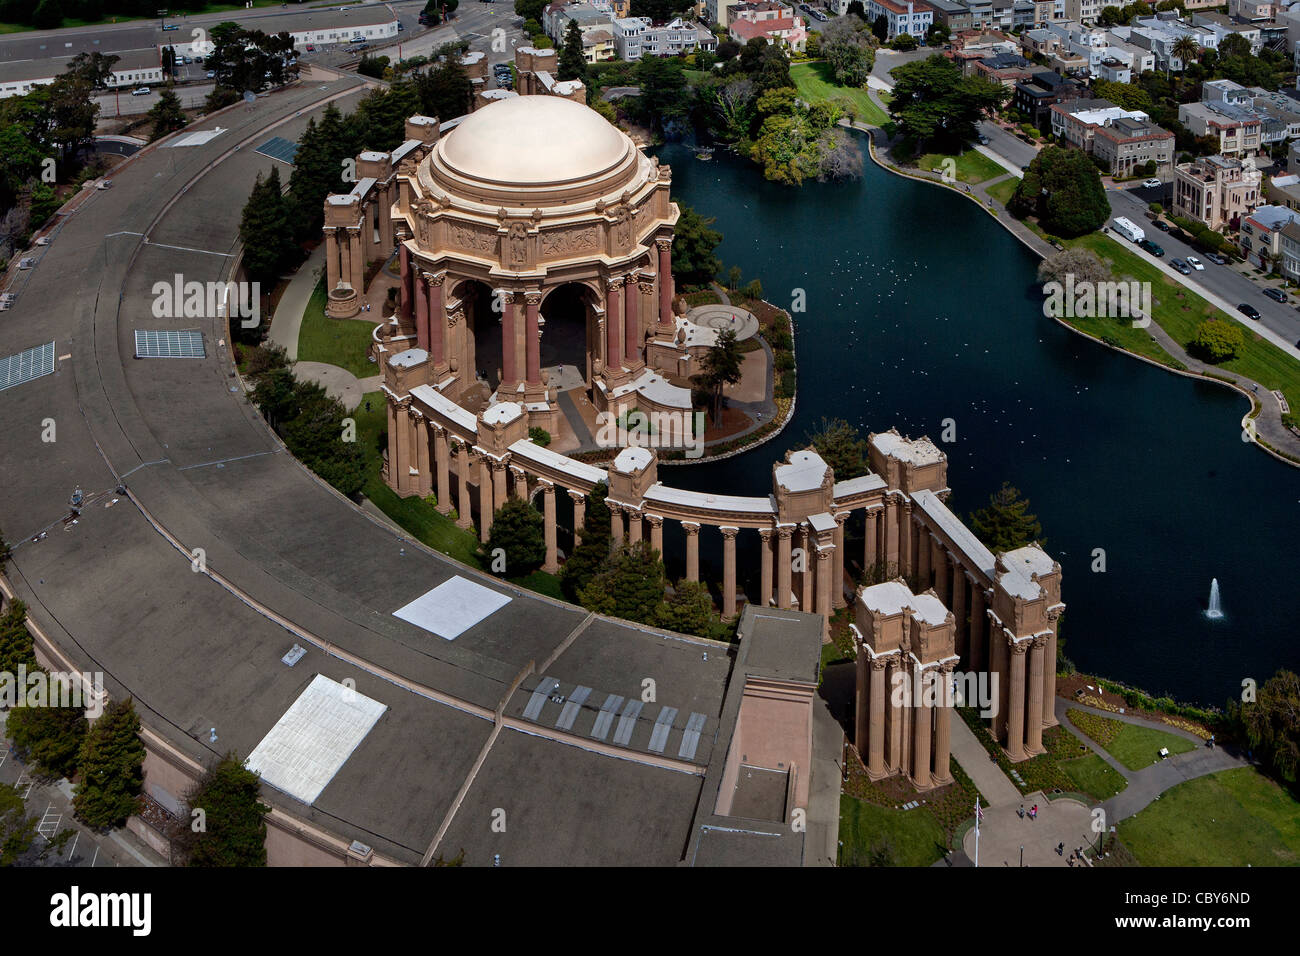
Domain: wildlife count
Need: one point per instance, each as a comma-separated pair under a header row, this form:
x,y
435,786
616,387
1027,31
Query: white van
x,y
1128,229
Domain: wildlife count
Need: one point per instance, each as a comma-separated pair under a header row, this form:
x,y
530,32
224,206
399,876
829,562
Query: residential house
x,y
1238,128
901,16
715,11
1290,264
1222,27
1261,234
1083,10
1252,10
1215,191
788,32
1126,145
756,12
1007,69
955,16
1035,96
589,15
635,37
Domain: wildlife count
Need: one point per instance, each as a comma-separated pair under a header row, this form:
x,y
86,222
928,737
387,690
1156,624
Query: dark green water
x,y
922,308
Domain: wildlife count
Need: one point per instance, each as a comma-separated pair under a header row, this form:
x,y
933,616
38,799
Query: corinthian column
x,y
666,323
876,725
464,504
783,573
765,555
1034,712
613,325
615,524
534,341
441,464
421,309
631,323
921,713
548,511
403,290
729,572
943,728
437,329
692,550
656,533
837,562
1016,702
579,515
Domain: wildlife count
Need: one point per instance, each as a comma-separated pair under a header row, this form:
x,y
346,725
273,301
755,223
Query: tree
x,y
518,531
95,68
51,736
265,232
721,366
666,97
1083,264
316,436
904,42
1128,95
48,15
842,447
1272,723
530,9
233,826
1186,49
694,243
111,768
572,64
689,610
1006,523
444,89
764,63
879,26
16,646
591,556
632,587
166,115
933,104
846,47
374,66
1062,187
1217,341
17,829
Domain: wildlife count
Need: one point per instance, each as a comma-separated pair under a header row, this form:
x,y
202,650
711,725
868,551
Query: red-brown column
x,y
437,320
631,321
421,310
665,282
509,339
404,290
534,343
613,325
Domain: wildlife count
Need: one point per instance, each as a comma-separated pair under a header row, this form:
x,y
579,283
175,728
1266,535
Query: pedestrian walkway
x,y
822,843
983,770
287,321
1008,839
1149,783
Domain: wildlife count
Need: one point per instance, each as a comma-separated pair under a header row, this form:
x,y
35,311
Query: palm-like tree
x,y
1185,49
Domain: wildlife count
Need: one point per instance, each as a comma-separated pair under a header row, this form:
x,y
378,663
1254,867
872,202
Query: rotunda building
x,y
532,232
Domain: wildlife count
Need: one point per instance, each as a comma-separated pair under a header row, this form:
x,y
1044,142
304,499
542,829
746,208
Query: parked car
x,y
1217,259
1162,225
1249,311
141,91
105,184
1152,248
212,74
1277,295
1195,263
1152,183
1181,266
984,140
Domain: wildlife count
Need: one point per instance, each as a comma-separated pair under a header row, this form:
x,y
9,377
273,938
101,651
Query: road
x,y
125,103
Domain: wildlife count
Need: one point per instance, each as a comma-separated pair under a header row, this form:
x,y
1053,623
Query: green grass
x,y
1231,818
815,85
1094,776
542,583
1139,747
1003,191
972,165
914,837
419,517
1178,311
341,342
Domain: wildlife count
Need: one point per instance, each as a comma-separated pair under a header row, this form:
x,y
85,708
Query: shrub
x,y
1217,341
539,436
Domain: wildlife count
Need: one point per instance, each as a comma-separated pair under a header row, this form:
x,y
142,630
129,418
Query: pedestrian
x,y
1021,811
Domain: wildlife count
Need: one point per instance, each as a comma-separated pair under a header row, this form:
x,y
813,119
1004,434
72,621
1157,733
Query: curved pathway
x,y
1147,784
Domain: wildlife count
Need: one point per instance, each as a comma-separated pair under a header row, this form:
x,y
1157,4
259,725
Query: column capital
x,y
691,528
613,282
824,552
766,534
414,413
435,278
655,520
841,517
728,532
1040,641
576,495
665,245
1018,648
785,531
532,296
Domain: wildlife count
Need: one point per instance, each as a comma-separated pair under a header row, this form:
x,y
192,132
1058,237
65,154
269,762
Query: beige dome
x,y
534,141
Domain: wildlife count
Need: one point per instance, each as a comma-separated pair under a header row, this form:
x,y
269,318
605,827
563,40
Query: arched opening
x,y
569,337
481,346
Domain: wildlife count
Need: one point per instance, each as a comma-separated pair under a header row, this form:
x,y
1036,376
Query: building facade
x,y
1215,191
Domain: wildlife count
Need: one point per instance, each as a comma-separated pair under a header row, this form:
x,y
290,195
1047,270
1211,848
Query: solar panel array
x,y
277,147
25,366
614,719
166,343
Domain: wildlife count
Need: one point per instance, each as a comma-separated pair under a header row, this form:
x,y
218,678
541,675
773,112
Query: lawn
x,y
341,342
815,85
972,165
1094,776
906,837
1133,746
419,517
1231,818
1003,191
1178,311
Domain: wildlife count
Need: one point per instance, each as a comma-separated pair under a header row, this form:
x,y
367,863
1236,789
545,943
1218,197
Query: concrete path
x,y
1004,832
822,840
1147,784
999,159
338,382
984,772
287,320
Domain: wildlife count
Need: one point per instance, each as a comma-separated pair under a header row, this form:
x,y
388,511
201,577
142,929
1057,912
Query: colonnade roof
x,y
706,502
961,536
589,474
805,471
1021,565
441,403
917,451
857,486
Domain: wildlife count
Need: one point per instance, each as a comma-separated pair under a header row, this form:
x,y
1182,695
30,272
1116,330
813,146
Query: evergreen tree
x,y
695,261
572,63
842,447
1062,187
721,366
264,231
591,556
518,531
690,611
444,89
632,587
166,115
111,768
1006,523
233,828
16,647
314,433
17,829
50,736
316,173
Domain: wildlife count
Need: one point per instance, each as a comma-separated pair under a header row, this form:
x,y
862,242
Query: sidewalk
x,y
984,772
287,320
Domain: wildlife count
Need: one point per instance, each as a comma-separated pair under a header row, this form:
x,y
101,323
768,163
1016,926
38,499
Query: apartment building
x,y
1127,144
1215,191
1238,128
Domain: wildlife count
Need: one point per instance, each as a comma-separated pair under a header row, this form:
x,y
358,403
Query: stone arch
x,y
476,332
571,335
